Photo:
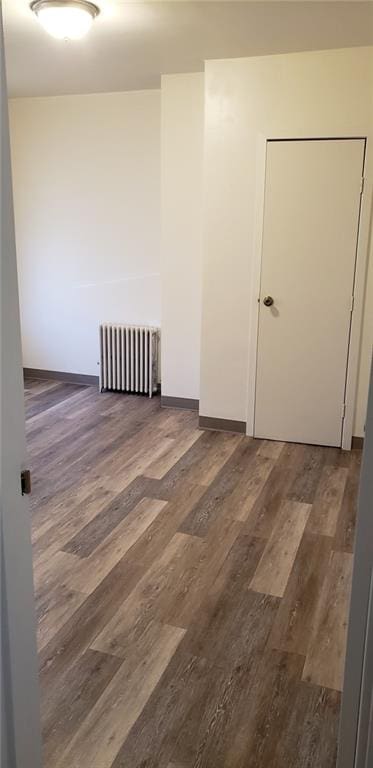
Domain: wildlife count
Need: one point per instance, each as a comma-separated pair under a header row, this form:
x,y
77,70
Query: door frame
x,y
354,740
362,247
19,687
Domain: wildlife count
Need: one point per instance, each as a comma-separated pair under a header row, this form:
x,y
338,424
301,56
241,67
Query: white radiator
x,y
129,358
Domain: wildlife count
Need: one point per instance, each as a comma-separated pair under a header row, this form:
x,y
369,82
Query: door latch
x,y
25,482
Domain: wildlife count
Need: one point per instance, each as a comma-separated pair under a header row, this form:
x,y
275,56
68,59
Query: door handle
x,y
268,301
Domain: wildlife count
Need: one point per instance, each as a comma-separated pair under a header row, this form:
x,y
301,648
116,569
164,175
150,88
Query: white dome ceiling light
x,y
65,19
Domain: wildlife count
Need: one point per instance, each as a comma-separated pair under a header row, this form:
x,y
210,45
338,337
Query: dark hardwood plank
x,y
310,733
191,591
66,705
345,528
273,571
60,526
159,468
50,570
303,489
172,660
115,453
90,571
206,457
186,684
47,399
54,609
78,632
324,664
248,488
296,615
37,386
217,494
236,630
327,501
153,595
107,724
155,539
263,515
225,731
222,630
337,457
97,529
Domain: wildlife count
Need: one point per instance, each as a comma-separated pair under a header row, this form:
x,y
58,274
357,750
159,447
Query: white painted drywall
x,y
327,93
87,206
182,128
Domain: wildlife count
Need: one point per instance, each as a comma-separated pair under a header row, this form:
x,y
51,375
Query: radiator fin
x,y
129,358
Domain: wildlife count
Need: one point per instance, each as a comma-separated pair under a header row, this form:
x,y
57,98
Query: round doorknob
x,y
268,301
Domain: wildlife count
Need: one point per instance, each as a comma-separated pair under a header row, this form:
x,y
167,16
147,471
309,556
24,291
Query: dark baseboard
x,y
179,402
71,378
357,442
222,425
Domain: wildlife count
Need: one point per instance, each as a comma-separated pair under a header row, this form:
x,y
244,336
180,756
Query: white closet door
x,y
311,220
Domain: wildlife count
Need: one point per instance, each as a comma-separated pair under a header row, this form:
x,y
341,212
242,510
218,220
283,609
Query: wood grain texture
x,y
222,629
264,512
88,574
218,494
191,594
249,487
326,651
153,595
296,615
222,730
175,765
306,481
276,563
328,500
271,449
310,733
59,529
106,726
75,636
224,446
183,472
50,570
47,398
69,703
191,587
56,607
345,529
158,468
184,687
106,519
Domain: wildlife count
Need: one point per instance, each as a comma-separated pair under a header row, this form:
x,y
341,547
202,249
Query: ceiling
x,y
132,43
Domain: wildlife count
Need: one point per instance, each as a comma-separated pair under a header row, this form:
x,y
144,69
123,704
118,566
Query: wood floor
x,y
192,587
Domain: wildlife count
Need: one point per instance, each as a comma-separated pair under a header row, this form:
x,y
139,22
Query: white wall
x,y
326,93
87,205
87,180
182,98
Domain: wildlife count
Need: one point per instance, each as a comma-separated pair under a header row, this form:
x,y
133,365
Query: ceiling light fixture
x,y
65,19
